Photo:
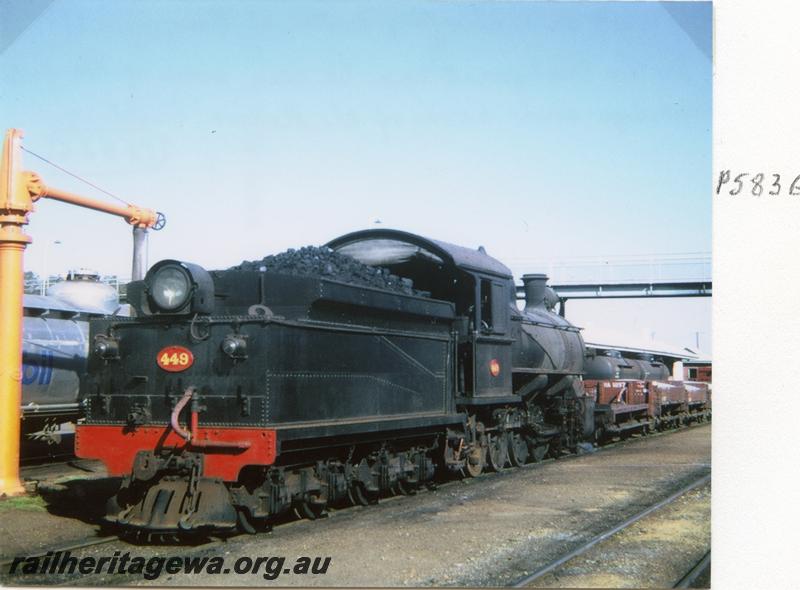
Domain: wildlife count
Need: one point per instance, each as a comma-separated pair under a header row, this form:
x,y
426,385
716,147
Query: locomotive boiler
x,y
324,375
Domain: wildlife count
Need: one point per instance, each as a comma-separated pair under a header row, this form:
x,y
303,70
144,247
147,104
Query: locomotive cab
x,y
515,369
479,286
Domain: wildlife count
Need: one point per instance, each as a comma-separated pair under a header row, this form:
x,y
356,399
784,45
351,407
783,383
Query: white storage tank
x,y
83,290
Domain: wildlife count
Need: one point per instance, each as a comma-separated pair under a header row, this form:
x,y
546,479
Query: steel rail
x,y
699,568
609,533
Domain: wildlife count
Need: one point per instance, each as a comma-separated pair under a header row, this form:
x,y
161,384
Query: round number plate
x,y
175,358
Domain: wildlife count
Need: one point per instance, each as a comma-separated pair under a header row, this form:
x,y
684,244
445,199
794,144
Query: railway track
x,y
562,561
216,541
699,570
6,564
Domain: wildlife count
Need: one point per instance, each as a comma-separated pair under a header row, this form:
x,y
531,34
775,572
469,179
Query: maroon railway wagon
x,y
636,395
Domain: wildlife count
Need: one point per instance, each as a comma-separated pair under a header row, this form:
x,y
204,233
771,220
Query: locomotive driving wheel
x,y
517,449
497,450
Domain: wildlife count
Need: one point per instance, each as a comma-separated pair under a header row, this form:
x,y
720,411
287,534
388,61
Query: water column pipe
x,y
19,190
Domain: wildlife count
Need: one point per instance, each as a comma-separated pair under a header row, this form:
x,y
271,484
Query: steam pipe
x,y
190,436
174,419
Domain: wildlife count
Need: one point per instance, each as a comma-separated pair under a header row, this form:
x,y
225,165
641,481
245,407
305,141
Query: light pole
x,y
45,277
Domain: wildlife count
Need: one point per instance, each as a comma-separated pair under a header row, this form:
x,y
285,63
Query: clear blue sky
x,y
534,129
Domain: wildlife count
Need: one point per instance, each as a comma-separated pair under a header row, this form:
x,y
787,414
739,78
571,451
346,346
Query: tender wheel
x,y
475,462
600,437
245,525
537,451
360,496
517,450
497,451
309,510
403,489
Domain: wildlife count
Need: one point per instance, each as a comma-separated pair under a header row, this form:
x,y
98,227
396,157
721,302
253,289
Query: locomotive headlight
x,y
171,287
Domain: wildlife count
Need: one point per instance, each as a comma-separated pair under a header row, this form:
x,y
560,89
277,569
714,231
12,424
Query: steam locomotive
x,y
327,375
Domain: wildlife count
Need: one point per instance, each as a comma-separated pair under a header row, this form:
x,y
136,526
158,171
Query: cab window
x,y
493,305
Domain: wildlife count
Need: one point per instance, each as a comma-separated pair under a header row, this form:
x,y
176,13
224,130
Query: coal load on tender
x,y
323,262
